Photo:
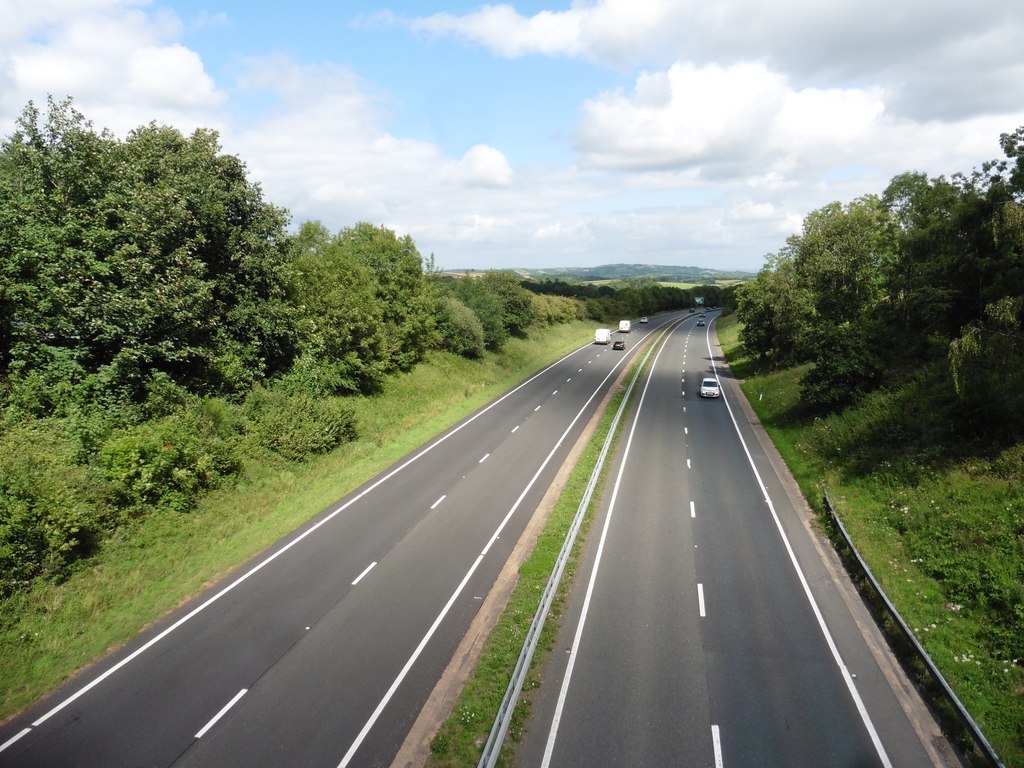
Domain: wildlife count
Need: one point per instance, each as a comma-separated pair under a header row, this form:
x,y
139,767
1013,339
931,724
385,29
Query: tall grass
x,y
150,566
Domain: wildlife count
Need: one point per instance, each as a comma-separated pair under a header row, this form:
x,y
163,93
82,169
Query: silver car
x,y
709,388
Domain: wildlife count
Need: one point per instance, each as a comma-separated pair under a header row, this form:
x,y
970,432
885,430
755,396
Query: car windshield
x,y
710,383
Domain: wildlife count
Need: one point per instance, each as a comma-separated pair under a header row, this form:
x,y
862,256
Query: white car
x,y
643,319
709,388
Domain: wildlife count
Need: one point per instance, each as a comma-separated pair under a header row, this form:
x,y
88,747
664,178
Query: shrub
x,y
168,461
50,508
297,426
460,329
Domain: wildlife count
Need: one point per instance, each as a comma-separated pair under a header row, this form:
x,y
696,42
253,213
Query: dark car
x,y
618,344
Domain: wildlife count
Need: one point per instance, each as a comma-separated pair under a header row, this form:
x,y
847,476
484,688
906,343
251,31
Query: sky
x,y
545,134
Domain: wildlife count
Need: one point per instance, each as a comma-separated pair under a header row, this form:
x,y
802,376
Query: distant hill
x,y
658,272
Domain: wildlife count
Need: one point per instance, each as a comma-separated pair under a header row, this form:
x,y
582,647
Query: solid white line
x,y
483,458
13,739
221,714
693,509
700,600
716,740
308,532
369,568
848,679
574,651
443,497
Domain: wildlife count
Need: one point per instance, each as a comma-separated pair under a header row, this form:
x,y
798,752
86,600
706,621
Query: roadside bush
x,y
297,426
50,508
169,461
549,310
460,329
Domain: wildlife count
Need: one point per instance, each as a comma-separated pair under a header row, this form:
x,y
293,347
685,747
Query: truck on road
x,y
602,336
623,326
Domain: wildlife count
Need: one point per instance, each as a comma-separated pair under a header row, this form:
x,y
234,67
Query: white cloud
x,y
680,117
481,166
171,75
506,33
119,63
938,58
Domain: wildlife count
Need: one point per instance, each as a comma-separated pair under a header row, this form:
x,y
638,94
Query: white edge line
x,y
549,748
716,740
223,711
13,739
259,566
368,568
850,685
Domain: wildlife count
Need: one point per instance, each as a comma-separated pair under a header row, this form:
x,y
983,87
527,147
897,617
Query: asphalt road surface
x,y
705,628
322,650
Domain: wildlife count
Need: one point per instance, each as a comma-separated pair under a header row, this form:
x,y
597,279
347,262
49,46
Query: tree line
x,y
926,279
160,327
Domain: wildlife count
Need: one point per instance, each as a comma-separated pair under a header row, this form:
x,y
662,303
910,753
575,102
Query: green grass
x,y
137,576
941,529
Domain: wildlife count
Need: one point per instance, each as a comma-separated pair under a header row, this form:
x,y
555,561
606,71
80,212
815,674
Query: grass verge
x,y
55,629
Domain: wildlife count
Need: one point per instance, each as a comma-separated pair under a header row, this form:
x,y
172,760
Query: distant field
x,y
719,283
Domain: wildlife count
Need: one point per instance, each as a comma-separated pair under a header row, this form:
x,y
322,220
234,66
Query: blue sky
x,y
545,134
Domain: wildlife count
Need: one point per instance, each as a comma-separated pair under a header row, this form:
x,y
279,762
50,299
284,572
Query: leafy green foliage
x,y
844,368
127,258
340,323
51,509
987,364
298,426
514,300
937,263
169,461
460,329
407,307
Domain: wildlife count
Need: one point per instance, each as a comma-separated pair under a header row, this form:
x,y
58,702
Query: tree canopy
x,y
930,272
